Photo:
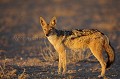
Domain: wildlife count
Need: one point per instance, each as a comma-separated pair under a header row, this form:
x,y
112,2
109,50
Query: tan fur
x,y
76,39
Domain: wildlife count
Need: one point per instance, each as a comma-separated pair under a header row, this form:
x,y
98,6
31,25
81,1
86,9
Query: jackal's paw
x,y
63,73
100,76
59,73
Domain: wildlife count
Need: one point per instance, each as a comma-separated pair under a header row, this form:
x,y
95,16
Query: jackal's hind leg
x,y
102,63
97,52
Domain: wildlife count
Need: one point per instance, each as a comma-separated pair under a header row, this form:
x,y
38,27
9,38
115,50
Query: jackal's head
x,y
48,28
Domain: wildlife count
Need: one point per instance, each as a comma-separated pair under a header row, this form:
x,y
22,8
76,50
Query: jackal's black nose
x,y
46,34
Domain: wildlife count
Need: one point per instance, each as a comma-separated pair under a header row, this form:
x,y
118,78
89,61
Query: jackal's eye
x,y
44,29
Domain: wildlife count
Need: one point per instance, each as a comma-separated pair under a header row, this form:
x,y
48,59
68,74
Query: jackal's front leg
x,y
64,65
59,65
62,58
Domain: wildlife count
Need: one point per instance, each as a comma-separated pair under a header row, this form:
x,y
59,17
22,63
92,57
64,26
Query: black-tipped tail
x,y
110,53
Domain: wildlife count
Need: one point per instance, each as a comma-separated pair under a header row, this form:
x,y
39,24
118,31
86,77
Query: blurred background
x,y
21,34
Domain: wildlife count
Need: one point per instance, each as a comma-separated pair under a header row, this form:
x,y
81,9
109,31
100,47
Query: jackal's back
x,y
82,38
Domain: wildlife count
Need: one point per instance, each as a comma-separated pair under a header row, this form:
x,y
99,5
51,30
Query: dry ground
x,y
26,54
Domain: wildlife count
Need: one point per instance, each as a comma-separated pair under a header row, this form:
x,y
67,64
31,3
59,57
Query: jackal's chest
x,y
51,40
54,40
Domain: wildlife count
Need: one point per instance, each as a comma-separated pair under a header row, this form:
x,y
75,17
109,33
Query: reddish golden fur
x,y
78,39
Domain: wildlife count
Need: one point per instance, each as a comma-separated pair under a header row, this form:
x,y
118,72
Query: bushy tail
x,y
110,52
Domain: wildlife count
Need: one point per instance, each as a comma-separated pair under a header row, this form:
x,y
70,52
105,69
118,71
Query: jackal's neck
x,y
53,38
63,32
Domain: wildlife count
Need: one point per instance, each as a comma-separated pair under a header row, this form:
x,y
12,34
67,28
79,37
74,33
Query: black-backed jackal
x,y
78,39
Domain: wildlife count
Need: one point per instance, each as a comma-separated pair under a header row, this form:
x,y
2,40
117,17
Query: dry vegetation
x,y
8,72
26,54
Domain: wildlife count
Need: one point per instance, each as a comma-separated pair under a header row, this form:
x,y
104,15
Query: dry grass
x,y
23,75
48,54
29,62
8,72
76,56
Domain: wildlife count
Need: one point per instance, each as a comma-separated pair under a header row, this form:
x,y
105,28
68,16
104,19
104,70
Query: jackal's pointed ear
x,y
42,22
53,21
